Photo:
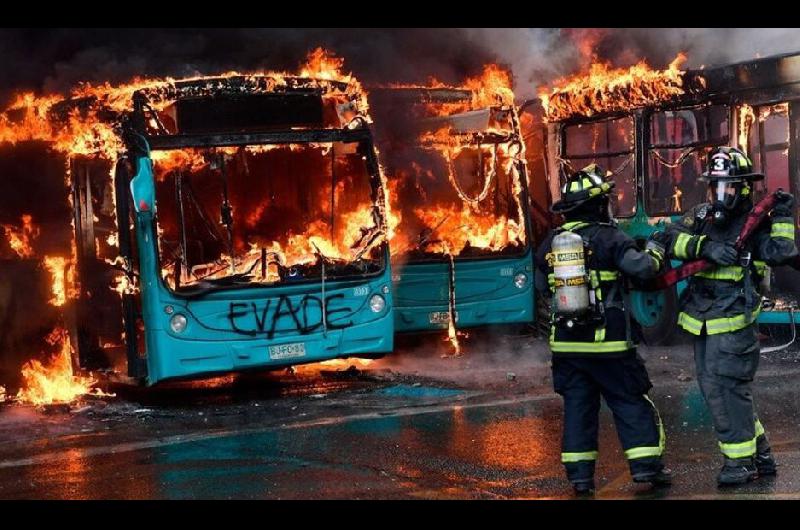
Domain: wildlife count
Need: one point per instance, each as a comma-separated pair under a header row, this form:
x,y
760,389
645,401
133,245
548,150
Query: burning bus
x,y
461,244
652,129
241,219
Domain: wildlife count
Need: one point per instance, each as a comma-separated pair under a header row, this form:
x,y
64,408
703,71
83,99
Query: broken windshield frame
x,y
331,269
422,171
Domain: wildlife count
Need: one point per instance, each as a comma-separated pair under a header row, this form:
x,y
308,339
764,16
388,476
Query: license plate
x,y
287,351
440,317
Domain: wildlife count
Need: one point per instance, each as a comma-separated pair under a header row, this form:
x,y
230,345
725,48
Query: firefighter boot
x,y
737,471
659,479
583,487
650,469
765,462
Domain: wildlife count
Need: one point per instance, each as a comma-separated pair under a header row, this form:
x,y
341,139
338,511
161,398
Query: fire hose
x,y
754,220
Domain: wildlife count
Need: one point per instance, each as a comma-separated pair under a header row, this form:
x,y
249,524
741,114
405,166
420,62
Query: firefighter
x,y
586,262
719,306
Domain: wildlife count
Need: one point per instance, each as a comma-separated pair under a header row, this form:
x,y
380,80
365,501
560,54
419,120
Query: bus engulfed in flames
x,y
455,162
89,124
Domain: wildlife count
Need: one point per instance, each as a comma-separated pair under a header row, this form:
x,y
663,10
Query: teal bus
x,y
657,152
252,229
459,226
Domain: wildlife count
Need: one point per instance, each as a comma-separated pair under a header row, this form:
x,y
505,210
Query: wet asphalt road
x,y
484,426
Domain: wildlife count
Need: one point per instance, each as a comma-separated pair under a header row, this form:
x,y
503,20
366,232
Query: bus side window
x,y
769,145
609,143
679,141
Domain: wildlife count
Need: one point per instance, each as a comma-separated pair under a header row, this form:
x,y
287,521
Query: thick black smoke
x,y
56,59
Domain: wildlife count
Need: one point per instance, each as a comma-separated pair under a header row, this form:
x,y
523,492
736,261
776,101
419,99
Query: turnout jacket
x,y
726,298
612,256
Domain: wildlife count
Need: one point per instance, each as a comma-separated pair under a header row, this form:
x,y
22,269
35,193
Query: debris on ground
x,y
683,376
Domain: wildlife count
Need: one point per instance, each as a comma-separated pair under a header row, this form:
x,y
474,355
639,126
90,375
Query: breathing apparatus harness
x,y
592,313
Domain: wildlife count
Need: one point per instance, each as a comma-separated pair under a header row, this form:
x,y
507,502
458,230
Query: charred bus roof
x,y
759,81
763,80
240,110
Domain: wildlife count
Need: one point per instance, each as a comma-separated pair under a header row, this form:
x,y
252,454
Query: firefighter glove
x,y
784,206
656,249
660,237
719,253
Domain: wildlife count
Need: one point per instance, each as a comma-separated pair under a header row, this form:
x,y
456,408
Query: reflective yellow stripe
x,y
785,230
587,183
595,280
739,450
698,245
600,334
681,244
575,186
574,225
642,452
657,256
608,276
730,324
715,326
590,347
690,324
649,451
578,457
743,449
761,267
732,273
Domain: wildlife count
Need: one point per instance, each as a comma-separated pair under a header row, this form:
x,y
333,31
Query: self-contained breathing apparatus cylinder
x,y
569,271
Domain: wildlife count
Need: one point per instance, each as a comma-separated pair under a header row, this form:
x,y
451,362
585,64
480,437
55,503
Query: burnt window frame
x,y
649,146
763,148
527,247
633,153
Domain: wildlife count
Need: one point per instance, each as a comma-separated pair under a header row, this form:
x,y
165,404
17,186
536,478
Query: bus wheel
x,y
657,313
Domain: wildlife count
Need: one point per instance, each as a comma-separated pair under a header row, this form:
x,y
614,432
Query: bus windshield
x,y
609,143
679,142
266,214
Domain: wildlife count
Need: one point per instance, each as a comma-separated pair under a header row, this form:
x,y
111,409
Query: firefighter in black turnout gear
x,y
719,306
586,262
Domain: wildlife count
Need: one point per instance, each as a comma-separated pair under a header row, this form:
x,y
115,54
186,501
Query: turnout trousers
x,y
726,364
623,383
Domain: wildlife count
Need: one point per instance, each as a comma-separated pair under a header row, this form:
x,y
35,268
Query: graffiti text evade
x,y
304,316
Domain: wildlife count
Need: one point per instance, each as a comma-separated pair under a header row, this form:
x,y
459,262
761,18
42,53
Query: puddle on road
x,y
418,392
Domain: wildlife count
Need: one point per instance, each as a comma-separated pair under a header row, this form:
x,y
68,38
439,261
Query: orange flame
x,y
605,89
491,88
63,275
55,382
20,239
746,118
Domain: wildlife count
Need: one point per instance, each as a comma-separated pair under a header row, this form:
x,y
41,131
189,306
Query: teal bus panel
x,y
485,293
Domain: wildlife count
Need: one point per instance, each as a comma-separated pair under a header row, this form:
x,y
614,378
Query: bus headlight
x,y
377,303
178,323
520,280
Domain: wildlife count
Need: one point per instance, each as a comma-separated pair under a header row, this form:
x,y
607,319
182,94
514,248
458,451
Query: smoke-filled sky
x,y
55,59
